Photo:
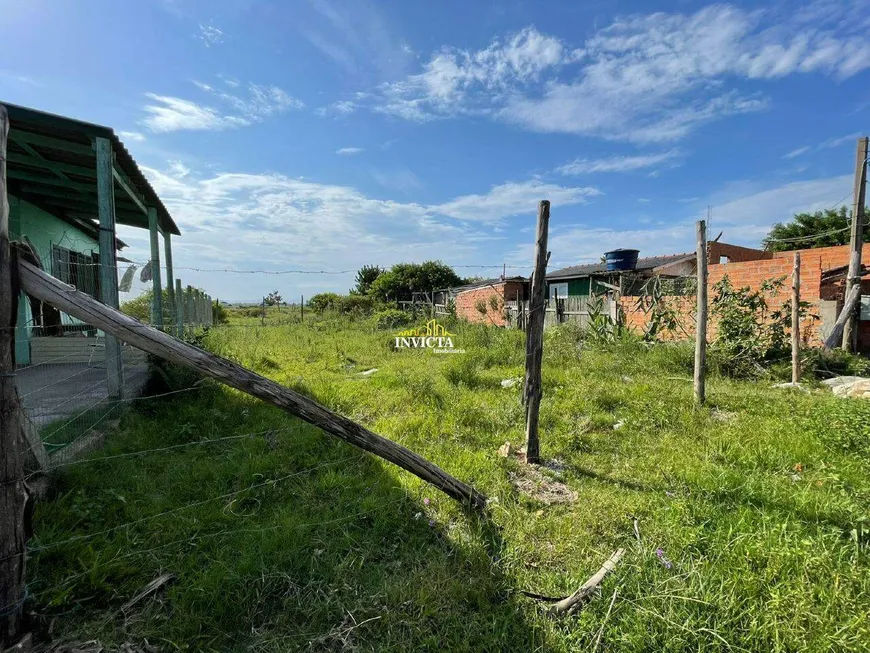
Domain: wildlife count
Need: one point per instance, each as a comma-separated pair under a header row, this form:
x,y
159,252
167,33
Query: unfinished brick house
x,y
485,301
823,272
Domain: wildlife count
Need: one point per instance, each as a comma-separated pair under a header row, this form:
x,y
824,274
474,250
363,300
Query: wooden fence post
x,y
535,335
13,495
796,321
302,308
179,309
701,326
188,309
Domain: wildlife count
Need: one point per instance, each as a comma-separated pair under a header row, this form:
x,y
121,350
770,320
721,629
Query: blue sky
x,y
327,134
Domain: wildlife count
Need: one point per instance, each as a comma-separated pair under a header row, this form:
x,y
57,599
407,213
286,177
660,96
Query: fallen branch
x,y
37,283
566,604
836,335
569,603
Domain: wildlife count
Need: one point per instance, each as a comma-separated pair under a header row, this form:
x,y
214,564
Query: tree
x,y
806,230
365,277
273,299
404,279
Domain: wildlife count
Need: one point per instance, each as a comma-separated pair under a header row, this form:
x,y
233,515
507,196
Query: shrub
x,y
750,335
390,318
356,305
324,301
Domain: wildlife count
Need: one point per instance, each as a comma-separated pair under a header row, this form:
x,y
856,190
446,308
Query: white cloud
x,y
279,222
512,198
616,163
167,114
644,78
132,136
797,152
210,35
347,151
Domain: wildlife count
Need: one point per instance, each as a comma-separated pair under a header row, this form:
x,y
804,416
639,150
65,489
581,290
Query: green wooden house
x,y
594,278
69,184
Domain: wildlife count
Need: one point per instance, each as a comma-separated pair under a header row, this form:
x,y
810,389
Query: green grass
x,y
759,501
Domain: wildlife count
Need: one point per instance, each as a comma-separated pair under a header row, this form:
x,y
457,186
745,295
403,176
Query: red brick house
x,y
485,301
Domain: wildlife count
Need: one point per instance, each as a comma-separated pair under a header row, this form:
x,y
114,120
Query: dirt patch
x,y
532,482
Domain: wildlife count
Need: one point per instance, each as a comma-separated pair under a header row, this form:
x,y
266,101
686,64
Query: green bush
x,y
750,336
324,301
390,318
356,305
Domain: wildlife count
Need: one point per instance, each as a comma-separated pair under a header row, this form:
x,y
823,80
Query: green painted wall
x,y
579,287
43,230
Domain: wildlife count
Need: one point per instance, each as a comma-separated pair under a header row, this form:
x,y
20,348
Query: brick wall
x,y
754,272
734,253
466,305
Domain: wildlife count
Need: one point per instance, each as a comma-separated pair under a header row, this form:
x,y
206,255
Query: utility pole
x,y
850,332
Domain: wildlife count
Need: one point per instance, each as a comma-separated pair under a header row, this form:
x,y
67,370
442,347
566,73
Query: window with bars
x,y
77,269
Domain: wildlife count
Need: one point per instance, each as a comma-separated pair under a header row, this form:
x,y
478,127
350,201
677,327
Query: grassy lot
x,y
753,512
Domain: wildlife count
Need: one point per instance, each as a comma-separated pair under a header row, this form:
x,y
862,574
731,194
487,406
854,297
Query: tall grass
x,y
757,505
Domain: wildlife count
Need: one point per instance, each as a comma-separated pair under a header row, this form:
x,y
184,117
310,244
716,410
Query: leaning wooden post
x,y
170,281
156,286
856,241
179,309
796,321
108,262
13,495
302,308
701,326
535,335
150,340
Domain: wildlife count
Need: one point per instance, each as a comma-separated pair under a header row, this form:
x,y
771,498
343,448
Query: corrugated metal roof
x,y
648,263
51,163
483,284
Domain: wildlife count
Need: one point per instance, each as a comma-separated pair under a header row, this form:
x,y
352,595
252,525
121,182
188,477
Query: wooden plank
x,y
856,241
36,160
128,189
108,262
796,320
700,385
23,175
535,335
156,286
13,494
51,143
45,287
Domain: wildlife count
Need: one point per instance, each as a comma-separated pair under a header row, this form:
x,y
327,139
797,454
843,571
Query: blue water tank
x,y
621,259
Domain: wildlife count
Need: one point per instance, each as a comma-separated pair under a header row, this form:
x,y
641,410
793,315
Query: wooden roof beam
x,y
21,137
128,188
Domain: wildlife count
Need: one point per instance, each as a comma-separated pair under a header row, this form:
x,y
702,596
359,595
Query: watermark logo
x,y
432,336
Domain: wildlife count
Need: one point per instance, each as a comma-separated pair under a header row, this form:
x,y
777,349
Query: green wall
x,y
578,287
43,230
